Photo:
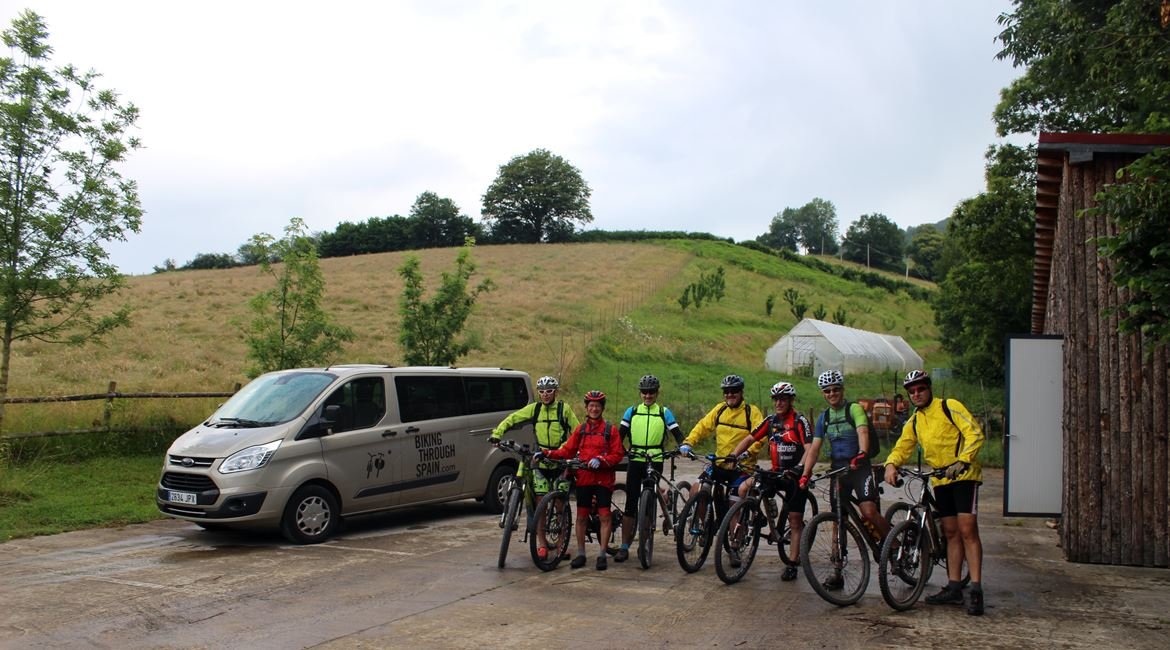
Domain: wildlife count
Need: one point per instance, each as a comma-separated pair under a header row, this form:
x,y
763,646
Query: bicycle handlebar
x,y
812,480
919,474
524,450
636,454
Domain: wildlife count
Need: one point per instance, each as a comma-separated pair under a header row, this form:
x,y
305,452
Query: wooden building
x,y
1116,393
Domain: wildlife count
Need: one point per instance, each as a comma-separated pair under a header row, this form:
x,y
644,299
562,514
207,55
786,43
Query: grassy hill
x,y
598,315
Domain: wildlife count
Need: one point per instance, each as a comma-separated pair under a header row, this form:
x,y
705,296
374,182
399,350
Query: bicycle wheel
x,y
647,516
552,528
827,556
905,565
897,513
695,528
618,500
674,503
511,510
811,509
737,539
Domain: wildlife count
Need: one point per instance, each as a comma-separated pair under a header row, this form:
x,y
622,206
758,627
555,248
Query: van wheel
x,y
497,489
310,516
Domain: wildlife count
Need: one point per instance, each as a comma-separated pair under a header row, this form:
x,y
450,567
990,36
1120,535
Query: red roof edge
x,y
1147,139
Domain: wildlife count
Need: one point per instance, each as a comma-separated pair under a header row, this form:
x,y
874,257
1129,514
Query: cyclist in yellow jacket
x,y
951,439
730,421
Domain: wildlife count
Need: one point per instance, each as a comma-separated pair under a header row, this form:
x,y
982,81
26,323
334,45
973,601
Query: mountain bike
x,y
520,490
914,547
741,530
653,496
702,513
833,547
552,523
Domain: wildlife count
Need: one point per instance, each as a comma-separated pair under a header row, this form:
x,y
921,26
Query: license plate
x,y
188,498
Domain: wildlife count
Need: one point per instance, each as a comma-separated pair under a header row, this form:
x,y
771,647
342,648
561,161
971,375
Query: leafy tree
x,y
796,304
167,265
784,231
812,226
1140,251
817,221
874,240
212,261
820,312
840,316
769,304
1098,65
926,250
436,222
536,197
987,290
430,328
289,329
62,140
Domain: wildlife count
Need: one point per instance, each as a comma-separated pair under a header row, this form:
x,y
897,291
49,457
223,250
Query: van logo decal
x,y
188,462
376,464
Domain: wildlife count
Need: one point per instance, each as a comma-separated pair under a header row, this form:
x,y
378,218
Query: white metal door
x,y
1034,445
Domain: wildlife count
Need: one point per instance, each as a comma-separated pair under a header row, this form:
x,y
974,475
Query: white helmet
x,y
546,382
783,389
830,378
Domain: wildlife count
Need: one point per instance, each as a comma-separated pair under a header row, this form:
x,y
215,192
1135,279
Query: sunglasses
x,y
547,391
831,390
914,390
732,392
649,392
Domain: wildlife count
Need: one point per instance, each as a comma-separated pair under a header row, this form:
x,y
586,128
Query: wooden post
x,y
109,404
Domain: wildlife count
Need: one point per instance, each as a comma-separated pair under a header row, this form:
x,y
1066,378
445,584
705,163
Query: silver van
x,y
300,449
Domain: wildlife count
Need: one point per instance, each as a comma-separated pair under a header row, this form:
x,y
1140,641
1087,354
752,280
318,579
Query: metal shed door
x,y
1033,444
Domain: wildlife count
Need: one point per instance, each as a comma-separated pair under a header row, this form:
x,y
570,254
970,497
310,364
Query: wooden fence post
x,y
109,404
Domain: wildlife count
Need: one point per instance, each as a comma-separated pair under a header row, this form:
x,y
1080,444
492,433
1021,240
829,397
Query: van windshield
x,y
272,399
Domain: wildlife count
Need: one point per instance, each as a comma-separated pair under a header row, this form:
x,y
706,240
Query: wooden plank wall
x,y
1116,507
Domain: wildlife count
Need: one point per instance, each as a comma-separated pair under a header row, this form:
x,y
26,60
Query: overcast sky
x,y
681,115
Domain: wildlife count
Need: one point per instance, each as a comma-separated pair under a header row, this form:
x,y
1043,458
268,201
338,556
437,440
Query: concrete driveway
x,y
429,579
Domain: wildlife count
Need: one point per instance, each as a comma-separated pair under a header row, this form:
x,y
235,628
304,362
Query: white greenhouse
x,y
824,346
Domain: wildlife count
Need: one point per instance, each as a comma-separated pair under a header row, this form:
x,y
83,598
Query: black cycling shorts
x,y
586,494
860,481
797,498
960,497
635,472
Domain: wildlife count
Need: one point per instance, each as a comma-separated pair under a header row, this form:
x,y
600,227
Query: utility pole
x,y
867,255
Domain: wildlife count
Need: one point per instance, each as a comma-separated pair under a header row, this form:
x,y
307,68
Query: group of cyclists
x,y
948,435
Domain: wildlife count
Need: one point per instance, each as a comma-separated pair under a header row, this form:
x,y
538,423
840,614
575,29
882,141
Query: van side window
x,y
362,402
492,394
429,398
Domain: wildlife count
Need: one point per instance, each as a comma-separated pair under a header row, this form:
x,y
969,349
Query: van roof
x,y
344,369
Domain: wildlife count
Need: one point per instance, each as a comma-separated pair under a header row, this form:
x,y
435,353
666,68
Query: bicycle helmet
x,y
546,382
783,389
916,377
830,378
595,396
732,382
648,382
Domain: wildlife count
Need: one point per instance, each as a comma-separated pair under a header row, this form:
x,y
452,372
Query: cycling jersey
x,y
550,432
943,442
843,440
788,434
593,439
729,425
645,428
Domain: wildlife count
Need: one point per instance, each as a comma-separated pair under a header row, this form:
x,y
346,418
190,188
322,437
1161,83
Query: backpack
x,y
946,412
747,412
875,446
565,430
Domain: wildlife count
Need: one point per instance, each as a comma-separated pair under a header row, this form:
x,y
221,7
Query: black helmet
x,y
648,382
916,377
732,382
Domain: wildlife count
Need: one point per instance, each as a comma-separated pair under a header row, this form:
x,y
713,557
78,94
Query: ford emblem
x,y
188,462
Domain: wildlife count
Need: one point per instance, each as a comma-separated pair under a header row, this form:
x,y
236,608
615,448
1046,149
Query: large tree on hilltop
x,y
874,240
1098,65
536,197
436,222
812,226
62,140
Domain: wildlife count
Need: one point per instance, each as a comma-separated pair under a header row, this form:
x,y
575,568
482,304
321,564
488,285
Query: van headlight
x,y
250,458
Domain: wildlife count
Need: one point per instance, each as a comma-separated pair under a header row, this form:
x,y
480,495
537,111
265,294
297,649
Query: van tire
x,y
493,500
311,516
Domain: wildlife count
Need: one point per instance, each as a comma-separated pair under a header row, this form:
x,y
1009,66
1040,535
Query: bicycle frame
x,y
654,481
